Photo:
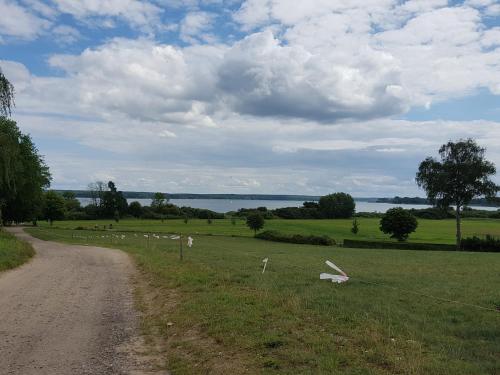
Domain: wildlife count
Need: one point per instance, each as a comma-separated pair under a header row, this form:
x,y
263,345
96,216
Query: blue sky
x,y
252,96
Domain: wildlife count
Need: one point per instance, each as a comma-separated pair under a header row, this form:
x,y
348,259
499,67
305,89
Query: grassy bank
x,y
13,252
219,314
435,231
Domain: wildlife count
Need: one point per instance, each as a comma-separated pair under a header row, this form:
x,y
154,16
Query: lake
x,y
226,205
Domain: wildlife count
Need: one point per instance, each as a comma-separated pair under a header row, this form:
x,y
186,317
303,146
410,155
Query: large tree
x,y
54,207
337,206
114,203
6,96
23,174
158,202
461,174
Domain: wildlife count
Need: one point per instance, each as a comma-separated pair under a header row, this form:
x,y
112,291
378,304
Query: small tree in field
x,y
355,227
399,223
462,174
255,222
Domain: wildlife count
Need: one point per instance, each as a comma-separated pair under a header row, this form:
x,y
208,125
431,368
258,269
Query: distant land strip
x,y
264,197
495,202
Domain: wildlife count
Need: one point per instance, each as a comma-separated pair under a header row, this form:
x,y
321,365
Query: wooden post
x,y
180,247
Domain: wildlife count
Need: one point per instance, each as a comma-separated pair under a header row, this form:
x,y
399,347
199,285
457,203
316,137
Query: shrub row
x,y
489,243
359,244
295,238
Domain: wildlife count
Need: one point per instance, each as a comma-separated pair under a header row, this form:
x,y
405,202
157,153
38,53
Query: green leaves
x,y
6,96
23,174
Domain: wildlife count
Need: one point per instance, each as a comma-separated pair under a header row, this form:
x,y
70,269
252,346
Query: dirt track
x,y
68,311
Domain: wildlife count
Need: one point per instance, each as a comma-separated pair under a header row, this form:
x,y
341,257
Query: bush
x,y
375,215
399,223
297,213
489,244
77,215
245,212
433,213
360,244
295,238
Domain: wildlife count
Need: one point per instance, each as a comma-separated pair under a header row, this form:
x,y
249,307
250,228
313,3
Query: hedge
x,y
295,238
489,243
359,244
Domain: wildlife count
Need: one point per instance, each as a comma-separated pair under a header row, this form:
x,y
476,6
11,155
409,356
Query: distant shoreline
x,y
275,197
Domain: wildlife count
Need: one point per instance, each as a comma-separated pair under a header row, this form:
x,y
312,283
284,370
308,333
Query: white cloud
x,y
250,115
260,76
18,22
65,34
195,26
441,51
137,13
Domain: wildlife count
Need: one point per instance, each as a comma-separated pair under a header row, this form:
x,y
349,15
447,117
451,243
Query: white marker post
x,y
180,247
265,260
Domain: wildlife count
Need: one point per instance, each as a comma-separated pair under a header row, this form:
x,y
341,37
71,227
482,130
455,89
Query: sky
x,y
252,96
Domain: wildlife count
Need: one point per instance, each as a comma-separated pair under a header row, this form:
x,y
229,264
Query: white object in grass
x,y
342,278
190,241
265,260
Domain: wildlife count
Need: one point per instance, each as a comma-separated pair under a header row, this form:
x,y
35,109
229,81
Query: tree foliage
x,y
23,174
54,206
399,223
337,206
114,204
461,174
135,209
255,221
158,202
6,96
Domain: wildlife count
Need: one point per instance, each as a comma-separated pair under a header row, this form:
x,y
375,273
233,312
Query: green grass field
x,y
13,252
436,231
219,314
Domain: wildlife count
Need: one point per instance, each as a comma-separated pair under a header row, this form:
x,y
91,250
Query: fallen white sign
x,y
342,278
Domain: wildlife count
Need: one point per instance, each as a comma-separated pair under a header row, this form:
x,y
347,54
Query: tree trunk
x,y
459,231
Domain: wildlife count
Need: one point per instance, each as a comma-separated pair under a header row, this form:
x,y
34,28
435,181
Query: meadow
x,y
402,312
434,231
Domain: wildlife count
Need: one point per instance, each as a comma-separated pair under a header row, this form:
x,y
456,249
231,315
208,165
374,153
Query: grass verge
x,y
13,252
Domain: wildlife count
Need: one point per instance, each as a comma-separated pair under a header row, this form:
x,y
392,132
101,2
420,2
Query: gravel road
x,y
69,311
